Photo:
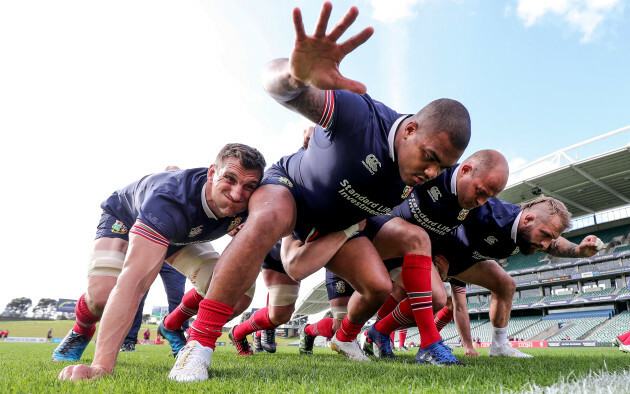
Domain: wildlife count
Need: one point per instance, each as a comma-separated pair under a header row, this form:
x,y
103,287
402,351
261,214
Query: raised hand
x,y
589,246
315,59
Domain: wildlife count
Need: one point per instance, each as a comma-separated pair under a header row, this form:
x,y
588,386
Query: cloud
x,y
389,11
584,16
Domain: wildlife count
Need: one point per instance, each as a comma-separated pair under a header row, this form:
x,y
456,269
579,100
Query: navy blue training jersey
x,y
348,172
170,208
432,206
489,233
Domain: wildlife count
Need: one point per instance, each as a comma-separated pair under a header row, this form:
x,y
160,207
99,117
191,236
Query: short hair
x,y
551,207
250,158
447,116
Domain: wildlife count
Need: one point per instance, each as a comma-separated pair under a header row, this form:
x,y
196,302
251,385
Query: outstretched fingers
x,y
357,40
351,85
322,22
300,34
344,24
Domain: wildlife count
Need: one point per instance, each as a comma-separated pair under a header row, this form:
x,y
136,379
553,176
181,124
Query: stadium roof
x,y
587,186
316,301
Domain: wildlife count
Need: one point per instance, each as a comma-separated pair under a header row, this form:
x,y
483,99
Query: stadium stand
x,y
578,328
597,293
615,326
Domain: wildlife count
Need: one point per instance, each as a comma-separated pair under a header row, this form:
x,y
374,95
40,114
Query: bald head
x,y
446,116
489,161
482,175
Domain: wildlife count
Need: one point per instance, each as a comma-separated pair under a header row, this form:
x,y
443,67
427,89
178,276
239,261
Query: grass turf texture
x,y
27,368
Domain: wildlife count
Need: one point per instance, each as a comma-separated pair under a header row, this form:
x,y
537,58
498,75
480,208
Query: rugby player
x,y
164,216
498,230
362,160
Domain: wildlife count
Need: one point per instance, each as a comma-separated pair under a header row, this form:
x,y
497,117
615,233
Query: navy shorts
x,y
374,224
111,227
337,287
272,264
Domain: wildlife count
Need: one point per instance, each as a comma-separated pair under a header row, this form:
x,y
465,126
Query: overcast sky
x,y
96,94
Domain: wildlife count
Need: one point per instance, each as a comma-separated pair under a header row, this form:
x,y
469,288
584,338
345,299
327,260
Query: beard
x,y
523,241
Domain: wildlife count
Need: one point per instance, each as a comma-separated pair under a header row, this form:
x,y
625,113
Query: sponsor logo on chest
x,y
491,240
434,193
371,163
195,231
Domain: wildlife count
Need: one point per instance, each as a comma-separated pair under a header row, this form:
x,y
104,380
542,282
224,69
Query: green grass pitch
x,y
28,368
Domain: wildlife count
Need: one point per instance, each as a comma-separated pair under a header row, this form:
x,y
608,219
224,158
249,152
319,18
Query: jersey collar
x,y
204,203
515,226
454,179
392,136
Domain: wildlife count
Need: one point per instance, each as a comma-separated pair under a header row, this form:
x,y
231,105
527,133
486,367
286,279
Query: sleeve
x,y
163,215
345,112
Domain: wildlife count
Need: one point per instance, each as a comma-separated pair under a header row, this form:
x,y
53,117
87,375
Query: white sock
x,y
499,336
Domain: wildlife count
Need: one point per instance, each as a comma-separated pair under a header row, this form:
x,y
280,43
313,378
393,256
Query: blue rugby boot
x,y
71,348
381,341
175,338
437,354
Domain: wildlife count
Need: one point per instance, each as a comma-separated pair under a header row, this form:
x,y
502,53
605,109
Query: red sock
x,y
392,336
322,327
401,316
186,309
624,337
259,320
387,308
85,322
348,330
416,277
402,335
442,318
258,334
210,321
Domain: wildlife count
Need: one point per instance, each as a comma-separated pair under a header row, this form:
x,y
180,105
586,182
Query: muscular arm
x,y
462,322
292,93
301,260
142,264
561,247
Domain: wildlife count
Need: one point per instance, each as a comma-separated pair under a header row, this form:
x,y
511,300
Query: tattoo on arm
x,y
291,93
310,104
563,248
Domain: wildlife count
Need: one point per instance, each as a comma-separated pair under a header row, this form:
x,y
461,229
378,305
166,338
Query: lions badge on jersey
x,y
406,192
340,286
286,181
462,214
234,224
119,228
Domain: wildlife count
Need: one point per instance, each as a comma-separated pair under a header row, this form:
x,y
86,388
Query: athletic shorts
x,y
276,175
374,224
305,232
272,264
111,227
337,287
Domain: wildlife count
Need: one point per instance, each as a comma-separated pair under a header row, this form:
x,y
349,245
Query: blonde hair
x,y
550,207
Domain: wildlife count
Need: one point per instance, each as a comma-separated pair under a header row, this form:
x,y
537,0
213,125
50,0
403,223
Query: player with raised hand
x,y
362,159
